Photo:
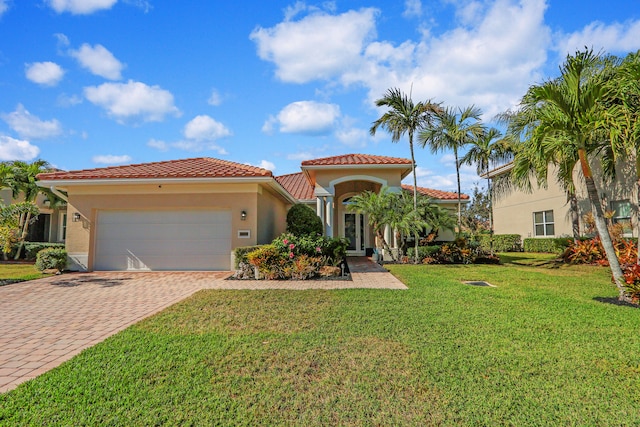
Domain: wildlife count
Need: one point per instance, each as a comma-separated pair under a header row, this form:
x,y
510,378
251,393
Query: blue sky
x,y
92,83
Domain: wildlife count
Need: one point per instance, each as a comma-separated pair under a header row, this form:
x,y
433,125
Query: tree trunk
x,y
455,154
25,231
415,194
575,217
638,204
385,245
601,227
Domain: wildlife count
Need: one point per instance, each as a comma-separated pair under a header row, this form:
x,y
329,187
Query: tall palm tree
x,y
454,130
405,117
404,220
488,150
565,116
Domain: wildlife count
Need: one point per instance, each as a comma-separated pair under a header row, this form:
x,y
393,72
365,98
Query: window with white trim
x,y
543,224
622,215
62,229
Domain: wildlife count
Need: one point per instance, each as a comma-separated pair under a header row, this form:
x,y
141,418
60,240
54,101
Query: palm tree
x,y
404,219
405,117
564,116
488,150
376,206
454,130
23,182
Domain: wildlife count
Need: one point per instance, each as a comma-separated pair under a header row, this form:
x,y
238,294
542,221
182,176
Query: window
x,y
543,223
622,215
62,230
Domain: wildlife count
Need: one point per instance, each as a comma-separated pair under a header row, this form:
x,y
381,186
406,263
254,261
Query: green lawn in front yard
x,y
547,346
12,272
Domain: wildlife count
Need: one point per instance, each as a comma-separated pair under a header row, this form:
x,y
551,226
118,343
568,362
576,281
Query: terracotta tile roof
x,y
202,167
356,159
436,194
297,185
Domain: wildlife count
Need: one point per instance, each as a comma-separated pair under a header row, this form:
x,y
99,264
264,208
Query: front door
x,y
354,232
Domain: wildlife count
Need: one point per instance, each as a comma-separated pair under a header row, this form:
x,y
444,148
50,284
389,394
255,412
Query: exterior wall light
x,y
243,215
76,216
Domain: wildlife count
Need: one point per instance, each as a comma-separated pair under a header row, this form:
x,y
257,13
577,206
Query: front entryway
x,y
354,232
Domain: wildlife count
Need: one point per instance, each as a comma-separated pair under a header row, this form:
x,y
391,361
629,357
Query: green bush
x,y
31,249
240,254
423,251
501,242
51,258
302,220
546,244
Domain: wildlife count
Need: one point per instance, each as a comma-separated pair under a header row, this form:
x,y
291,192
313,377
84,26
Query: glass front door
x,y
354,233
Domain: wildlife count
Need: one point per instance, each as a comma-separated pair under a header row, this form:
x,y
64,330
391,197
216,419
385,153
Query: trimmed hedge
x,y
546,244
501,242
31,249
302,220
51,258
241,254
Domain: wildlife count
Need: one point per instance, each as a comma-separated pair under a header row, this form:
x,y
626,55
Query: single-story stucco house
x,y
190,214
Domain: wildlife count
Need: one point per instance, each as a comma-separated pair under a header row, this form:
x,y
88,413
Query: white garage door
x,y
163,240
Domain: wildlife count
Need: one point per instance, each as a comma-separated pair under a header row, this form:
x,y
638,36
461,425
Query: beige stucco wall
x,y
513,210
324,178
272,214
88,200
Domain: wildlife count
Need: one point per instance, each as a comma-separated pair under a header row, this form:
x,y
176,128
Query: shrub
x,y
302,220
270,262
31,249
546,244
333,249
240,254
51,258
501,242
423,251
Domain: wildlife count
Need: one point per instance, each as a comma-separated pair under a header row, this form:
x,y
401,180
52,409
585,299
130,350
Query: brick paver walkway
x,y
47,321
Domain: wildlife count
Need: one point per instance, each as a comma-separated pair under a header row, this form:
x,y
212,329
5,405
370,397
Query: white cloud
x,y
110,159
132,100
353,137
215,99
197,146
80,7
158,145
99,61
65,100
615,37
306,117
4,6
412,8
318,46
44,73
15,149
489,60
205,128
265,164
29,126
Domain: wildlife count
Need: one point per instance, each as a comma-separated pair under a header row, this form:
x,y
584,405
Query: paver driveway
x,y
47,321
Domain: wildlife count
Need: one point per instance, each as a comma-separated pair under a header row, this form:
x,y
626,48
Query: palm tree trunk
x,y
415,193
455,154
638,204
385,245
601,226
575,218
25,231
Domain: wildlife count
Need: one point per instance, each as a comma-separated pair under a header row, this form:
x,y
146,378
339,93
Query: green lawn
x,y
18,272
545,347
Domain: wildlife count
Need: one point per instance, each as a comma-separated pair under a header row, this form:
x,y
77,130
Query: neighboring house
x,y
190,214
545,212
50,226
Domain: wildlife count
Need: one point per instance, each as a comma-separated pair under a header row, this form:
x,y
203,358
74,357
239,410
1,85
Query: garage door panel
x,y
163,240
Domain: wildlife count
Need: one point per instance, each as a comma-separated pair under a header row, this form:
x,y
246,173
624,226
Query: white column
x,y
387,235
320,208
329,217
